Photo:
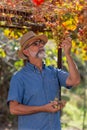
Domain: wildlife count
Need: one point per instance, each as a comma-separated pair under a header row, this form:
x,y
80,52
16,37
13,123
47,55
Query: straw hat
x,y
29,38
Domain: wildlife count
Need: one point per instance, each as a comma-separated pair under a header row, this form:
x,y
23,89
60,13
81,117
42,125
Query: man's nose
x,y
41,45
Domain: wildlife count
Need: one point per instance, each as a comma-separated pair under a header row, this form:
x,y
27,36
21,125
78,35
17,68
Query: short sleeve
x,y
62,77
16,90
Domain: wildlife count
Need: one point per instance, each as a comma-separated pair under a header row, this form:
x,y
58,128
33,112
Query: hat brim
x,y
30,41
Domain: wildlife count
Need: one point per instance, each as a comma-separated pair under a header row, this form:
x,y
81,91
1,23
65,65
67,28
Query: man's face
x,y
36,49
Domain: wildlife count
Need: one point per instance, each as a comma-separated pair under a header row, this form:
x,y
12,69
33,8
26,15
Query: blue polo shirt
x,y
31,87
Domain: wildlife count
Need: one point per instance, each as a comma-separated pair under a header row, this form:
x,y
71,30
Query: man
x,y
34,88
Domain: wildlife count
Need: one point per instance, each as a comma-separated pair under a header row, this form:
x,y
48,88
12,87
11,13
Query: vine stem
x,y
59,65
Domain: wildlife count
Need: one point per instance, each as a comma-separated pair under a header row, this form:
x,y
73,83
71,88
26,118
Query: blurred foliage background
x,y
60,19
74,115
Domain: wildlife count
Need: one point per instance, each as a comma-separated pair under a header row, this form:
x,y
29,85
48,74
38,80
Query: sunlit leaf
x,y
2,53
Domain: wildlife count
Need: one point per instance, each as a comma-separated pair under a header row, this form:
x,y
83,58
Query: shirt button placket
x,y
47,98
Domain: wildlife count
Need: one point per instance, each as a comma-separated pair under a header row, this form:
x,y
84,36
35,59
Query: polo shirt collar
x,y
33,67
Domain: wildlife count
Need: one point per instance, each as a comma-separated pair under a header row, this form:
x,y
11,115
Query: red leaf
x,y
38,2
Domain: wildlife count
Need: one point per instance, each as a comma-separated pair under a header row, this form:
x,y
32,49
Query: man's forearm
x,y
20,109
74,75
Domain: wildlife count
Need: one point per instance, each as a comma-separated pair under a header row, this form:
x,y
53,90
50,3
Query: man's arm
x,y
20,109
74,76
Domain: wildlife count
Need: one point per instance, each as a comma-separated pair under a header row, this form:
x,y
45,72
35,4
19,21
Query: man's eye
x,y
36,43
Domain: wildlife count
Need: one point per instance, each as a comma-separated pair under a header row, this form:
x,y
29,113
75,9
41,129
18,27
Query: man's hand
x,y
66,45
54,106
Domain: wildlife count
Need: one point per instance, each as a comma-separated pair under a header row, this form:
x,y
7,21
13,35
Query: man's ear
x,y
25,52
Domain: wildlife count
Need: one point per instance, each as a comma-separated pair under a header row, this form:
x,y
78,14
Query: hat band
x,y
27,40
